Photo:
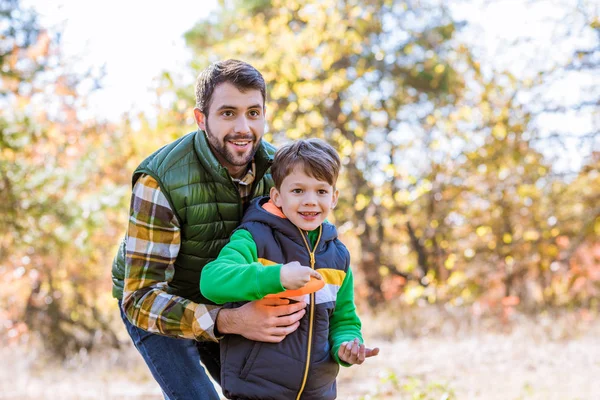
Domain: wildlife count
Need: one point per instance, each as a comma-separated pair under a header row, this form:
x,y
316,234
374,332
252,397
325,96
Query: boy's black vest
x,y
276,371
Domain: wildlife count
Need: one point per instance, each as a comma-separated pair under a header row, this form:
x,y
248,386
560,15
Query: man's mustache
x,y
239,137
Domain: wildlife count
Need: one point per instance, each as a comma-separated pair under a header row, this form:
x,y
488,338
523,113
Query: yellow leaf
x,y
449,263
456,278
481,230
531,235
384,271
361,202
413,292
499,131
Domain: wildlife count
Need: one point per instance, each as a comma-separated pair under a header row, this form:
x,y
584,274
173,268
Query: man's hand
x,y
355,353
293,275
266,320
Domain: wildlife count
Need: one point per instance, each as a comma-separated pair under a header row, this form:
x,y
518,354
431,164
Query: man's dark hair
x,y
315,156
242,75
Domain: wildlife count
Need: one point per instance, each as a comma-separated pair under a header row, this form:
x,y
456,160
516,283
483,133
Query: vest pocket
x,y
250,360
322,376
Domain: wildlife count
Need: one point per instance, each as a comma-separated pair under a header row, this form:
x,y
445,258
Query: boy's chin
x,y
308,227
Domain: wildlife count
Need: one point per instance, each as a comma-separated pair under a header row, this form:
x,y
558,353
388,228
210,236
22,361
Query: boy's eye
x,y
297,191
323,191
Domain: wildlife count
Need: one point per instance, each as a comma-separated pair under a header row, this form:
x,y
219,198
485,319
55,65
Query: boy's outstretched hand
x,y
355,353
293,275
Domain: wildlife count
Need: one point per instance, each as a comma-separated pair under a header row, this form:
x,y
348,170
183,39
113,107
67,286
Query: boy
x,y
282,242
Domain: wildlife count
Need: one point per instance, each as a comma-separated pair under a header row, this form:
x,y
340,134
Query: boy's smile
x,y
304,200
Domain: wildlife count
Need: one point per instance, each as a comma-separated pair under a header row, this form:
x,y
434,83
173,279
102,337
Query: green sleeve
x,y
236,274
344,324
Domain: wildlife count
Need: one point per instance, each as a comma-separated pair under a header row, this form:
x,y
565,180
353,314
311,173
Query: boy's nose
x,y
309,199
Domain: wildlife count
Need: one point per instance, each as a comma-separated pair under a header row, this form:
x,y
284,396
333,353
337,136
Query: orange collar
x,y
273,209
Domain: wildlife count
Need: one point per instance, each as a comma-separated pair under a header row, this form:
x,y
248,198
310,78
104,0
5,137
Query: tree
x,y
359,74
56,200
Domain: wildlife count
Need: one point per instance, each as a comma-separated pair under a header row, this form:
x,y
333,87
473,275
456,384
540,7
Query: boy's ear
x,y
200,119
275,197
334,201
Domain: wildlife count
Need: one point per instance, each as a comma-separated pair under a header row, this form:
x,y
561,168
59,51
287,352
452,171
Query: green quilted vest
x,y
205,201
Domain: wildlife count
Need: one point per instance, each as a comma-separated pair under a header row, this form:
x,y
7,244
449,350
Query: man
x,y
187,199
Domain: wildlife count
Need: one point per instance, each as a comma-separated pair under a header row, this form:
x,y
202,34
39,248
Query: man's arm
x,y
268,320
153,242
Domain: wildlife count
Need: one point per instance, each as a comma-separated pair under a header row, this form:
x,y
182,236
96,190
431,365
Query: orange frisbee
x,y
312,286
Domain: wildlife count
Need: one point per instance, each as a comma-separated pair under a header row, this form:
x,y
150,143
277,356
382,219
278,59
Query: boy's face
x,y
305,200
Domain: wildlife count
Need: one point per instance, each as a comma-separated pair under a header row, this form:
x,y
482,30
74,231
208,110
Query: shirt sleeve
x,y
344,324
237,275
152,244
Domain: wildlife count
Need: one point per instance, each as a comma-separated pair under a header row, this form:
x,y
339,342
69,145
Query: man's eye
x,y
227,113
254,113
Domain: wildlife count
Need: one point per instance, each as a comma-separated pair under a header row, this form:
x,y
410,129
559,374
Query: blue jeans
x,y
175,363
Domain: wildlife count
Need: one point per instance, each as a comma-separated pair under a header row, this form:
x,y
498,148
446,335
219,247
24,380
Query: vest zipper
x,y
311,314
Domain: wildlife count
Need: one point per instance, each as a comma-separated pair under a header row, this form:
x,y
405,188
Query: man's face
x,y
304,200
234,126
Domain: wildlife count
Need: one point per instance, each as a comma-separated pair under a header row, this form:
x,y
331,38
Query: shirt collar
x,y
247,179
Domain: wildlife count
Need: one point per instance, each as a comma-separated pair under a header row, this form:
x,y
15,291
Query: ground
x,y
436,356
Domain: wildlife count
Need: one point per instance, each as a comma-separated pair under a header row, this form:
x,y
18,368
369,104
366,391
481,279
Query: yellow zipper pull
x,y
312,260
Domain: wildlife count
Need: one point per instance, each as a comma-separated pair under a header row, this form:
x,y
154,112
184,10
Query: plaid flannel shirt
x,y
153,242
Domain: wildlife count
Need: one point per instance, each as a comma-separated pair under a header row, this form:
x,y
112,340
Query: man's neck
x,y
238,172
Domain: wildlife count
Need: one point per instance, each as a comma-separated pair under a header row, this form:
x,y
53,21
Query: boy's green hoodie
x,y
248,268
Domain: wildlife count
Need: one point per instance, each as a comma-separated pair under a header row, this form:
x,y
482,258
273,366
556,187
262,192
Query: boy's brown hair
x,y
318,159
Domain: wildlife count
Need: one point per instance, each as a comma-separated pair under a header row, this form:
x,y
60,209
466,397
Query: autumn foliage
x,y
447,195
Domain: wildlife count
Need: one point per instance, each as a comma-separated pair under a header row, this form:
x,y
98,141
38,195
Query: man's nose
x,y
241,125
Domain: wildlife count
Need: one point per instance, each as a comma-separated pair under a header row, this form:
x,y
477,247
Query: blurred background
x,y
469,133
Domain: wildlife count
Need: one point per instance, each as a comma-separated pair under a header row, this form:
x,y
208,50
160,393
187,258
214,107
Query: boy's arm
x,y
152,244
344,324
237,275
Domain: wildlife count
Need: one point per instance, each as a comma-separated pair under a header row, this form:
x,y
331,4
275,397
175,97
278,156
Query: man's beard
x,y
221,147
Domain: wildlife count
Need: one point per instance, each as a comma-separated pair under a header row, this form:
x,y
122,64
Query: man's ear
x,y
275,197
200,119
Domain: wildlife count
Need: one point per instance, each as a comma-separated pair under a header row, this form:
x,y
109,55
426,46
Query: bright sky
x,y
134,39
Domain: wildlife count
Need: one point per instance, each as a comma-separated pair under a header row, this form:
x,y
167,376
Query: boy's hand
x,y
294,276
355,353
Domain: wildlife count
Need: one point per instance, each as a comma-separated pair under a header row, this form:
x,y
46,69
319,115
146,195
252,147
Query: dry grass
x,y
447,352
431,353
